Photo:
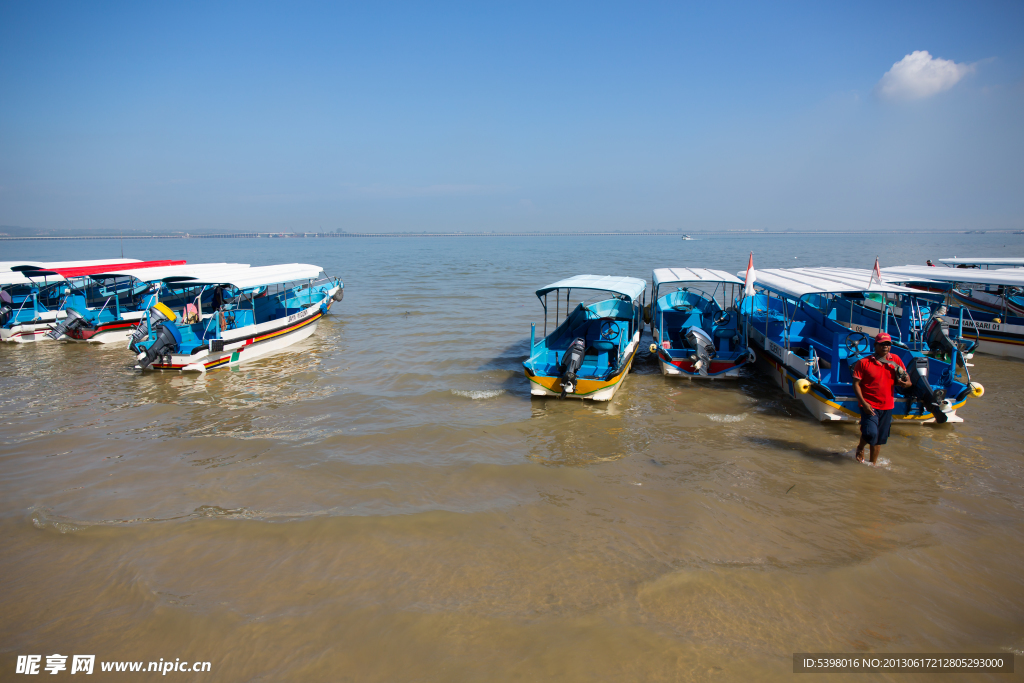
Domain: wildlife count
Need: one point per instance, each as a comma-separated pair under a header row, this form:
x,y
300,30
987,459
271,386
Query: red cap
x,y
883,337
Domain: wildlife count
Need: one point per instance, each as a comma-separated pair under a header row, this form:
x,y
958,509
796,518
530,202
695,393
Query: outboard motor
x,y
167,336
703,349
932,400
158,312
936,335
72,322
6,308
570,365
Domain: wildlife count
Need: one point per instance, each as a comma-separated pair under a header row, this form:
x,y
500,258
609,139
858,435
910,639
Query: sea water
x,y
386,502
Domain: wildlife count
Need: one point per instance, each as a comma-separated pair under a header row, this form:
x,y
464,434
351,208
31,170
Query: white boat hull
x,y
249,343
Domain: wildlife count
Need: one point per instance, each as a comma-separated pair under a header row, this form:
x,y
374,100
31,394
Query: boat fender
x,y
802,386
997,320
751,356
977,390
647,314
339,295
654,348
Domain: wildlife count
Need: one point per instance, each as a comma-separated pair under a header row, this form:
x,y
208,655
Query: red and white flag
x,y
748,283
876,275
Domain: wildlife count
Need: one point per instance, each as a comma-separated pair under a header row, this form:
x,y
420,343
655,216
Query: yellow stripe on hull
x,y
790,377
584,387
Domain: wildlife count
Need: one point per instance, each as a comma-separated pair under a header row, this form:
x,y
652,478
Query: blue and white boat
x,y
920,322
105,307
257,311
30,304
799,343
696,323
589,352
978,303
33,294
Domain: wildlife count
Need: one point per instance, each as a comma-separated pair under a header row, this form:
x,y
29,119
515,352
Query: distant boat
x,y
687,237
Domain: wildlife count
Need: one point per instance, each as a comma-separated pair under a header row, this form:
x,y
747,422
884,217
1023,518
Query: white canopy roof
x,y
985,277
629,286
50,265
983,261
172,273
798,282
17,278
663,276
247,278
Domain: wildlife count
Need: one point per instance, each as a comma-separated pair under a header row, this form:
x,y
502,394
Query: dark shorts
x,y
875,428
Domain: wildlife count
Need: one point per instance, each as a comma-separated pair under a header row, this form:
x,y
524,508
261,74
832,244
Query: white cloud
x,y
920,75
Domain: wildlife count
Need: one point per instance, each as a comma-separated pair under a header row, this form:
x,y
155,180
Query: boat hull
x,y
591,389
24,333
683,367
825,407
106,333
250,343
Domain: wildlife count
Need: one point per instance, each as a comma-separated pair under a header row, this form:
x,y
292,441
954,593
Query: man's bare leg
x,y
860,448
875,450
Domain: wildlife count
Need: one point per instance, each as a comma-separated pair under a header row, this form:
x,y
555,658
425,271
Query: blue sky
x,y
486,116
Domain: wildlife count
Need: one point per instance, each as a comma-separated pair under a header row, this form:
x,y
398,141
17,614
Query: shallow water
x,y
388,503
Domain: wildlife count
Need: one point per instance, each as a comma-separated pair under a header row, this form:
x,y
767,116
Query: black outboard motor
x,y
703,349
167,340
72,322
923,389
570,365
140,332
6,308
936,335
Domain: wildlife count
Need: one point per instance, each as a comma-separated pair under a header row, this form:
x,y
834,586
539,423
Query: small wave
x,y
727,418
479,394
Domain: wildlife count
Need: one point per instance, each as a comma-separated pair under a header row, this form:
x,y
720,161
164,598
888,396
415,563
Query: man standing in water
x,y
873,380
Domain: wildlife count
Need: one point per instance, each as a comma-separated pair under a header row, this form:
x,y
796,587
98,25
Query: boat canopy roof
x,y
663,276
971,275
798,282
628,286
172,273
248,278
983,261
54,265
35,277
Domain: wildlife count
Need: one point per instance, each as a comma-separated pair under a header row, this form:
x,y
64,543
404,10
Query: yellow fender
x,y
654,348
977,390
802,386
166,311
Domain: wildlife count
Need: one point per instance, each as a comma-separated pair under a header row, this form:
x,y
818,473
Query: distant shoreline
x,y
320,235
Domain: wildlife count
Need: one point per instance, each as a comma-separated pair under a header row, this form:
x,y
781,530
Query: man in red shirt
x,y
873,380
